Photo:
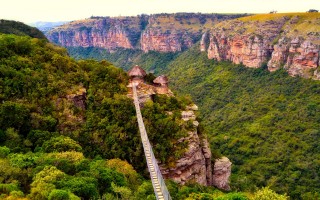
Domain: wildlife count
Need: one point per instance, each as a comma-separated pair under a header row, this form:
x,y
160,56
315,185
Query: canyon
x,y
274,41
159,32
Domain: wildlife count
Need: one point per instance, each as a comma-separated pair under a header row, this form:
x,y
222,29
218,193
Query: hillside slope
x,y
152,61
266,123
65,125
18,28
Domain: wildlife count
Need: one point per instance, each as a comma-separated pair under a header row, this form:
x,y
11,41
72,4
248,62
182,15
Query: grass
x,y
277,16
306,25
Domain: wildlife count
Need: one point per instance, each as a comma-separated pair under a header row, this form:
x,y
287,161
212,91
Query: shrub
x,y
233,196
23,160
15,115
4,151
7,188
61,144
85,187
59,195
268,194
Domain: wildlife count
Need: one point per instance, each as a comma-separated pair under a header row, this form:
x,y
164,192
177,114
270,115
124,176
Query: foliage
x,y
53,149
7,188
233,196
61,144
15,115
4,151
49,146
121,192
22,160
267,194
58,195
145,191
18,28
152,61
85,187
266,123
123,167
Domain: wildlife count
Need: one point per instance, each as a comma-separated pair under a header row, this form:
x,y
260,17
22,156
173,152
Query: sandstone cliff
x,y
290,41
196,164
160,32
109,33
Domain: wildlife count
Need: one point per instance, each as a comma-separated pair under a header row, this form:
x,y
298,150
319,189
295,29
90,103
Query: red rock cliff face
x,y
106,33
248,50
156,40
299,57
161,32
196,163
279,42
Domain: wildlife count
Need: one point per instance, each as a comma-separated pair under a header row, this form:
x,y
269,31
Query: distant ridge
x,y
47,26
19,28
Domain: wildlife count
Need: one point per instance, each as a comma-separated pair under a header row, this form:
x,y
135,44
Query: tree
x,y
59,195
43,182
268,194
15,115
61,144
312,11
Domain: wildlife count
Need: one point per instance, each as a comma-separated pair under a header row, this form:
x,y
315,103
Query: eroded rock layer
x,y
160,32
290,41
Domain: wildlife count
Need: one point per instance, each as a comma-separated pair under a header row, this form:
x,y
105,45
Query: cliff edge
x,y
289,41
158,32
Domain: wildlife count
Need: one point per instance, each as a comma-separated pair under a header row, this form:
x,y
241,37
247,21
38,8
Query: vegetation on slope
x,y
52,149
301,25
266,123
152,61
18,28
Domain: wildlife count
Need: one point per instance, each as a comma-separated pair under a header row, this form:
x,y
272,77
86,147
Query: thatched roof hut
x,y
137,71
162,80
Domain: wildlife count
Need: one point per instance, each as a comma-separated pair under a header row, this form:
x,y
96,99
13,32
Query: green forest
x,y
152,61
52,147
268,124
69,131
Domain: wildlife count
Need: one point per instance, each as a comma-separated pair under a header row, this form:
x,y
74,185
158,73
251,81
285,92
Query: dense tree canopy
x,y
55,146
266,123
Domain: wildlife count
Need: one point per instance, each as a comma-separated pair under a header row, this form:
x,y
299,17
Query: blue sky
x,y
65,10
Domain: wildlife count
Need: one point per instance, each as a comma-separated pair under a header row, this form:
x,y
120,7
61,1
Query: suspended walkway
x,y
159,186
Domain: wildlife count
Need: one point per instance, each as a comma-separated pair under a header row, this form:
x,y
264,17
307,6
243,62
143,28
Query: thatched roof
x,y
137,71
161,80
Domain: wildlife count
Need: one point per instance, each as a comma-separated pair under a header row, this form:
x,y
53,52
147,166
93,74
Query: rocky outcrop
x,y
160,32
221,173
298,56
278,41
79,98
157,40
203,42
251,51
196,165
69,120
105,33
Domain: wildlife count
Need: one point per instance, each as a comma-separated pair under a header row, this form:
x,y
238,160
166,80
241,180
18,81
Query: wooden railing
x,y
159,186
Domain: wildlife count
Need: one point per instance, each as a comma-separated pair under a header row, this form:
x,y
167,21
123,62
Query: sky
x,y
29,11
